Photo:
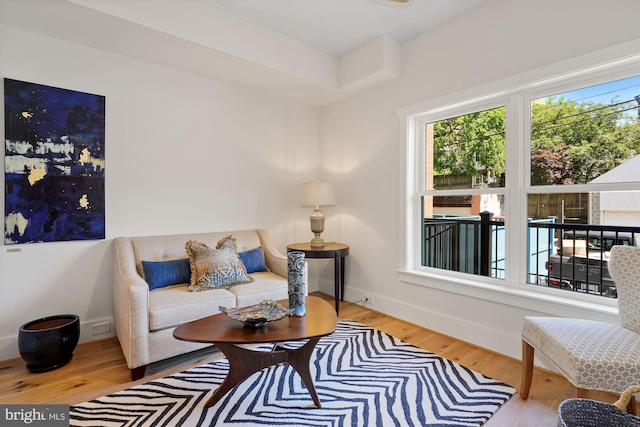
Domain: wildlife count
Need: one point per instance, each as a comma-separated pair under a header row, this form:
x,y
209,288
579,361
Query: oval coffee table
x,y
225,333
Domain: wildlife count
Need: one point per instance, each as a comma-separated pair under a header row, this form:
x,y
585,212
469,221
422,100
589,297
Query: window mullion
x,y
517,173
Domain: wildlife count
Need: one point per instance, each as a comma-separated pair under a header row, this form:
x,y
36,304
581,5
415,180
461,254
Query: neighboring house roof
x,y
625,172
621,201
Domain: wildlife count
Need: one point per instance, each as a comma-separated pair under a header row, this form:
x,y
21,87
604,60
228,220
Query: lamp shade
x,y
317,193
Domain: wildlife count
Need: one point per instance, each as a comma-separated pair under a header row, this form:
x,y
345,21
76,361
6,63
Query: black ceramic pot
x,y
48,343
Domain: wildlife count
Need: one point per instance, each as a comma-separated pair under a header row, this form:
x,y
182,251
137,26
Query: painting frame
x,y
54,164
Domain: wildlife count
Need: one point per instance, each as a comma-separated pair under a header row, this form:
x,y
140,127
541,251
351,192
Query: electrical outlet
x,y
368,300
101,328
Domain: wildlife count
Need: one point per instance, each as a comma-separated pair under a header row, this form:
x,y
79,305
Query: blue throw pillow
x,y
253,260
166,273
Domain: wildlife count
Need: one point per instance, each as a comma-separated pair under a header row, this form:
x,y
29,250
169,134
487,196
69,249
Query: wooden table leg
x,y
342,267
336,281
243,363
299,359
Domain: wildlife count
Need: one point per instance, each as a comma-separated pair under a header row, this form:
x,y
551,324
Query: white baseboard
x,y
496,340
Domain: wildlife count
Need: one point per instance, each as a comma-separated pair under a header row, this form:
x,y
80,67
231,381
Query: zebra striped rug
x,y
363,377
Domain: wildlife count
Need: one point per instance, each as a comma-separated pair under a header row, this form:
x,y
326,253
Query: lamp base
x,y
317,242
317,227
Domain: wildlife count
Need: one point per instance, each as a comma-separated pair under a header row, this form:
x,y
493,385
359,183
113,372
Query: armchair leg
x,y
580,393
137,373
631,406
527,369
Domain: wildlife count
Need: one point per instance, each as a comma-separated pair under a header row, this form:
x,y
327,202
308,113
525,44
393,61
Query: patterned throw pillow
x,y
218,268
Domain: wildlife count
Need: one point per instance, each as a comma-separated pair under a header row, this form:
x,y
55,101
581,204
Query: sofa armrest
x,y
276,261
130,305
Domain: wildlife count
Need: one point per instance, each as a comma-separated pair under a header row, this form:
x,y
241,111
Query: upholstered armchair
x,y
593,355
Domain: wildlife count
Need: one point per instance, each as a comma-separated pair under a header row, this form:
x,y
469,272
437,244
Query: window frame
x,y
515,94
420,178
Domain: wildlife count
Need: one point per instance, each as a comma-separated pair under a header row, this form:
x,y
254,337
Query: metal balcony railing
x,y
566,256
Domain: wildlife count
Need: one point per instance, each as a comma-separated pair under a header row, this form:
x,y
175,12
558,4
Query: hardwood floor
x,y
99,368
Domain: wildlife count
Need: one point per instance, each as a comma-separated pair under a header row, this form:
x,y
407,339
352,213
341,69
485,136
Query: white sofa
x,y
145,320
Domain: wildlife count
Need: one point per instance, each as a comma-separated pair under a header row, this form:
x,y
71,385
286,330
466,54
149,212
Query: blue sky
x,y
614,92
619,90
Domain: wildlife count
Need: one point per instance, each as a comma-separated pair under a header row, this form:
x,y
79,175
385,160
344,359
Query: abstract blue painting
x,y
54,164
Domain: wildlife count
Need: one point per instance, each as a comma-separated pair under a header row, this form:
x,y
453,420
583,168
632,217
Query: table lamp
x,y
316,194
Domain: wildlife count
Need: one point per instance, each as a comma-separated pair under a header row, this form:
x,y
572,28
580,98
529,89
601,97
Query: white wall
x,y
183,154
189,154
361,146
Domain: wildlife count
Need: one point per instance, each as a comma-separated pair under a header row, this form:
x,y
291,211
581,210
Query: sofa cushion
x,y
167,247
253,260
159,274
175,305
267,286
218,268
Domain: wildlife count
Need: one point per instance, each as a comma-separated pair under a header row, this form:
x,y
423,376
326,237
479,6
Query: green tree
x,y
571,141
574,142
463,143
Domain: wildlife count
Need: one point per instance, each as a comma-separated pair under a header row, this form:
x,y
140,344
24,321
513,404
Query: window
x,y
550,170
579,135
465,155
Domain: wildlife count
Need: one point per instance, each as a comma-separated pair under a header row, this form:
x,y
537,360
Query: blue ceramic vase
x,y
297,286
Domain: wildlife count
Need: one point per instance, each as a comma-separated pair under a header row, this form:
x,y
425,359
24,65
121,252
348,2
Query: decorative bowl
x,y
258,315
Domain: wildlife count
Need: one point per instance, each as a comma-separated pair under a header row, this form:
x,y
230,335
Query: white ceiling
x,y
312,51
339,26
